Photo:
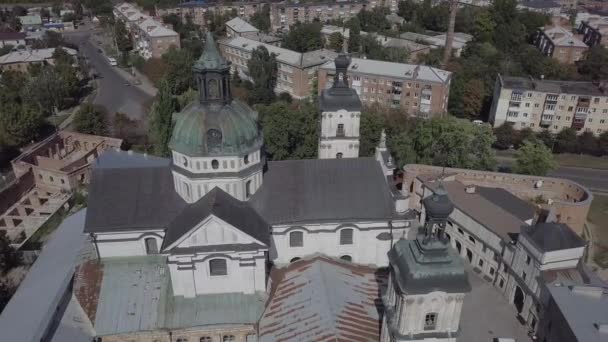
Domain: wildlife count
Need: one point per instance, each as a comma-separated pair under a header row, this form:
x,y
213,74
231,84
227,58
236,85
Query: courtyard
x,y
486,314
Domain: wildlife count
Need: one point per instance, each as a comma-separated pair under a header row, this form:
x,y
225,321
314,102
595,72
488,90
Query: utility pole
x,y
449,37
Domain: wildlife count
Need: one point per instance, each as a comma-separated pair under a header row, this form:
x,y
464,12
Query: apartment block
x,y
198,11
285,14
151,38
296,71
419,89
560,44
554,105
594,31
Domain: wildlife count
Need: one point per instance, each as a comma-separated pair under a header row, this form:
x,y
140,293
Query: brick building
x,y
296,71
419,89
554,105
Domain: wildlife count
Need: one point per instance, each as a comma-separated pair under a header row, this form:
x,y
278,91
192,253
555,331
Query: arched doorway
x,y
518,299
294,259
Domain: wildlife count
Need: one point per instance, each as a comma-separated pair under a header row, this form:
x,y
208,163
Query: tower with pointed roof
x,y
216,139
427,281
340,108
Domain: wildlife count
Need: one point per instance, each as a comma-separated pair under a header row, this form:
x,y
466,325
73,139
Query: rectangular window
x,y
501,283
430,321
528,259
480,263
523,275
492,271
460,231
346,236
296,239
472,239
218,267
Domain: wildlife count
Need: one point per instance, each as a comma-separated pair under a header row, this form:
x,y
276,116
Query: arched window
x,y
339,155
218,267
228,338
430,321
151,245
213,89
346,236
206,339
215,164
346,258
296,239
185,161
248,189
246,159
294,259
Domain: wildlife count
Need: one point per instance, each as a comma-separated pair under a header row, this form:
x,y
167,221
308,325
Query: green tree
x,y
9,258
408,9
121,34
90,119
335,41
484,27
472,99
261,19
525,134
370,127
179,70
546,138
6,49
6,292
161,126
483,156
505,136
19,124
565,141
374,20
354,39
290,131
587,143
595,66
534,158
263,72
304,37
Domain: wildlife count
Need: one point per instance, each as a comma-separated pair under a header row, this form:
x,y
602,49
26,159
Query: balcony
x,y
581,113
424,107
546,120
578,123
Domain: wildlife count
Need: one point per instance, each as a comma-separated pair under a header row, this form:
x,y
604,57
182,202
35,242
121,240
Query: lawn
x,y
598,216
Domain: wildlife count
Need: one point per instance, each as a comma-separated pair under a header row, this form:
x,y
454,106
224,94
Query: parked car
x,y
112,61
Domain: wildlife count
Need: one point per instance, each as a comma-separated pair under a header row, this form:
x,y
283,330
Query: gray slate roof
x,y
315,190
507,201
553,236
551,86
217,202
31,310
334,99
131,198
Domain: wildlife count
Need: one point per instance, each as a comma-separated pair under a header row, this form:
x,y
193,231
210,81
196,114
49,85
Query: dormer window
x,y
430,321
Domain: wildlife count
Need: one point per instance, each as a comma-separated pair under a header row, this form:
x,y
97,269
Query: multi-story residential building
x,y
283,15
554,105
560,44
552,8
20,60
594,31
419,89
296,71
150,37
198,11
237,27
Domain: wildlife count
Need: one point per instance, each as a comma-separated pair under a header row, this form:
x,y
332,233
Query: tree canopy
x,y
160,120
262,68
304,37
261,19
534,158
91,119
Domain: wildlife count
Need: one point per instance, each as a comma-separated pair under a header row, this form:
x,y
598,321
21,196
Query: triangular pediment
x,y
213,231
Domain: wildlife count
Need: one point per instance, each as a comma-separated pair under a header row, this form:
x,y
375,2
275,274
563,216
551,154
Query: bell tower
x,y
340,108
212,75
427,281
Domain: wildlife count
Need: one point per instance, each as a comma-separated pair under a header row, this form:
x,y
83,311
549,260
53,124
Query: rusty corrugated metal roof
x,y
323,299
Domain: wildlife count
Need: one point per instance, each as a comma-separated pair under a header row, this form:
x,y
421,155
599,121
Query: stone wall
x,y
219,334
567,201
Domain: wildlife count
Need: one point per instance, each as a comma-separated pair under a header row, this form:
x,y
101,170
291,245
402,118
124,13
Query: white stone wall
x,y
204,165
412,309
127,243
190,275
329,148
330,144
325,239
191,190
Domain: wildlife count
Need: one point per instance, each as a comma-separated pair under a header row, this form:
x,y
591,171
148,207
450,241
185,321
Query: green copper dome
x,y
203,130
214,124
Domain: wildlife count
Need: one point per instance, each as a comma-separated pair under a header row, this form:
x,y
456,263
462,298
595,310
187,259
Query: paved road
x,y
595,180
112,92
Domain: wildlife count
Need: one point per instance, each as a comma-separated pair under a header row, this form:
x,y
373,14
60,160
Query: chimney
x,y
469,189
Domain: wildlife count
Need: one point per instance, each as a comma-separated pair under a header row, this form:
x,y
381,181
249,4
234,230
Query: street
x,y
112,91
594,179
